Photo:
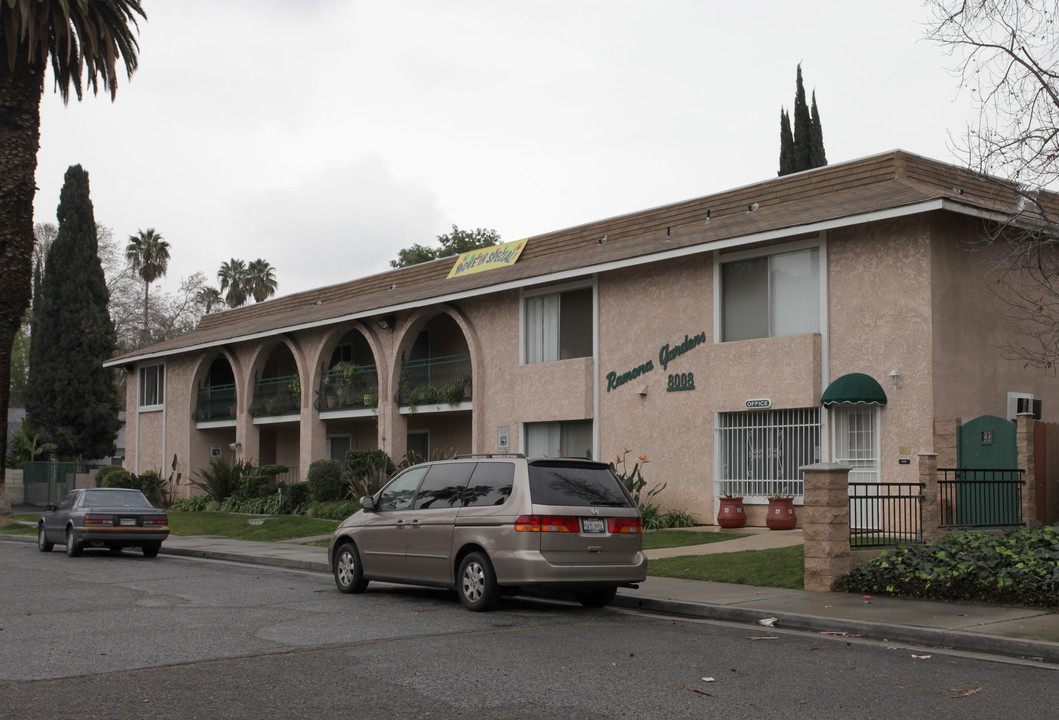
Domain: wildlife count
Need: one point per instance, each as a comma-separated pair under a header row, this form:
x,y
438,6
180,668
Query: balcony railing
x,y
444,379
277,396
348,387
214,402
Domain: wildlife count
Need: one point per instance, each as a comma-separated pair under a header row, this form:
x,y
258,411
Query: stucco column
x,y
928,475
825,526
1025,442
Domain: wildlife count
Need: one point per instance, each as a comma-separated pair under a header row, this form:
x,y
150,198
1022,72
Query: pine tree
x,y
72,398
786,144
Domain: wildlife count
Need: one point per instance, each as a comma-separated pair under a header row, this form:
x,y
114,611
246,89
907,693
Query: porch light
x,y
386,323
895,378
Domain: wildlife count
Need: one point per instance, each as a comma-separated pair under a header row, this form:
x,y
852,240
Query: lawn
x,y
680,538
780,567
238,527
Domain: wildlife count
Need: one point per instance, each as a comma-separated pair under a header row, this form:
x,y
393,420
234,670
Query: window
x,y
152,386
558,326
759,453
490,484
771,296
555,439
856,440
399,493
337,446
445,486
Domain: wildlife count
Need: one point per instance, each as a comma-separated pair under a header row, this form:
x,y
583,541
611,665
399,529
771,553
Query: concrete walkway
x,y
1031,634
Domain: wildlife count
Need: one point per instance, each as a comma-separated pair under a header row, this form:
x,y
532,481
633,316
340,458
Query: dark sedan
x,y
103,517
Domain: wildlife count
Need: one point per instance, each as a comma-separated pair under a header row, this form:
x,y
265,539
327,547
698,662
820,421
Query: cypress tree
x,y
803,126
804,148
72,399
786,144
817,156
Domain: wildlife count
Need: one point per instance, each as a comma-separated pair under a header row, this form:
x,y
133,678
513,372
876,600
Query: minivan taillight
x,y
547,523
625,525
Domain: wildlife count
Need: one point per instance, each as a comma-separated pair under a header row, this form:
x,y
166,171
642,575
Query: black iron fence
x,y
980,498
882,514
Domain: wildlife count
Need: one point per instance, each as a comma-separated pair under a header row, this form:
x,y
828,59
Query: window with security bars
x,y
760,452
856,440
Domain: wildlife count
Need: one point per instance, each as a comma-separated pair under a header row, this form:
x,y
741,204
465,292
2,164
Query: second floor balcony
x,y
215,402
276,396
348,386
439,380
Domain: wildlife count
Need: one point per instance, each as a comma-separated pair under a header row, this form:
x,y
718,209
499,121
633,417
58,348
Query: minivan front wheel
x,y
349,575
476,584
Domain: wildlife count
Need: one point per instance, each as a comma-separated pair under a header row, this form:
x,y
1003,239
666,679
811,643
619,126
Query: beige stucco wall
x,y
879,279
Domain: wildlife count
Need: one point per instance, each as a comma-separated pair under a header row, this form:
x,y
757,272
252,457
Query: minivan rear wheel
x,y
476,583
597,598
349,575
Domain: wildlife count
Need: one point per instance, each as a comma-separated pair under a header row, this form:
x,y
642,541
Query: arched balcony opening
x,y
216,399
277,389
436,369
350,380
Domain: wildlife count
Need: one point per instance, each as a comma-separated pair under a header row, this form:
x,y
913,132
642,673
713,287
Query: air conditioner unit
x,y
1028,405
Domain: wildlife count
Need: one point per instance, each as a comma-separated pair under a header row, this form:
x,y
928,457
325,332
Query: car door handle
x,y
415,524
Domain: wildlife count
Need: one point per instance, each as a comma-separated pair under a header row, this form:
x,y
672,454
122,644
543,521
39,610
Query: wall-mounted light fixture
x,y
895,378
603,239
386,323
235,445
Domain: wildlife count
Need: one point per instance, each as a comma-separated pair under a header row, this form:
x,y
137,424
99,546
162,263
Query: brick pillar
x,y
1025,442
928,475
825,526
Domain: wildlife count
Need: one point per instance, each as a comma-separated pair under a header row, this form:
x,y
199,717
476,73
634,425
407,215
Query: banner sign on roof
x,y
489,258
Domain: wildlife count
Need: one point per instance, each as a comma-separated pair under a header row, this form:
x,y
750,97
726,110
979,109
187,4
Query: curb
x,y
288,563
1040,651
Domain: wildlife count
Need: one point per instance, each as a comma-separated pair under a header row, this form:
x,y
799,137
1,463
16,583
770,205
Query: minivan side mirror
x,y
367,503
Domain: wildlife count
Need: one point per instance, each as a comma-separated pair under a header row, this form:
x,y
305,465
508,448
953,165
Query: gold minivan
x,y
495,524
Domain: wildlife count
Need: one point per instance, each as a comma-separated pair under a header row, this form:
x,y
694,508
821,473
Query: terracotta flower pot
x,y
730,513
781,514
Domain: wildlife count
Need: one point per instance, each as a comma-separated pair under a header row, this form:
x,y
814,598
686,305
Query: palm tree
x,y
148,253
233,276
262,278
75,36
210,297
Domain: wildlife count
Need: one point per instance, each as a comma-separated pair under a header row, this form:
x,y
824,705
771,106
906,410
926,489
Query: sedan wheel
x,y
73,549
476,584
349,575
42,540
150,550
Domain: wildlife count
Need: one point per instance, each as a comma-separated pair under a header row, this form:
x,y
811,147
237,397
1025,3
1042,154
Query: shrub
x,y
367,471
119,478
335,510
1021,566
678,518
296,498
150,484
325,480
192,504
220,478
634,481
102,473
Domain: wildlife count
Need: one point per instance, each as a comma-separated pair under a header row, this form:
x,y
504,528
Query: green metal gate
x,y
45,483
988,480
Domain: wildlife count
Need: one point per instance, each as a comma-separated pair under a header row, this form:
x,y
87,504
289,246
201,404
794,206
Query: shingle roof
x,y
871,185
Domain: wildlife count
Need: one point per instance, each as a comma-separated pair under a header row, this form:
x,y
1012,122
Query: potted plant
x,y
781,515
730,513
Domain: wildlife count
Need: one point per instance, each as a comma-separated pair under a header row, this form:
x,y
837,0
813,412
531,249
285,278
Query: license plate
x,y
592,525
128,521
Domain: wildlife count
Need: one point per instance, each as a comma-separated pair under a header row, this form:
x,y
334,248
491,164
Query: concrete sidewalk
x,y
1007,631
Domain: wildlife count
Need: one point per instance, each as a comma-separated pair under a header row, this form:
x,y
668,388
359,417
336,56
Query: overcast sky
x,y
325,135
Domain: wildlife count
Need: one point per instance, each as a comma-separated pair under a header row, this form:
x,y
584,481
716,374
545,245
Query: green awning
x,y
854,388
